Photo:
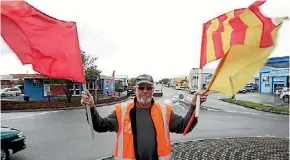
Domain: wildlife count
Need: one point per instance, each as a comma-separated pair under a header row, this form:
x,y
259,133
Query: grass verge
x,y
258,106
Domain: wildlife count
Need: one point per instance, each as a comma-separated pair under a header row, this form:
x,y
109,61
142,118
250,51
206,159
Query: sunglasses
x,y
147,88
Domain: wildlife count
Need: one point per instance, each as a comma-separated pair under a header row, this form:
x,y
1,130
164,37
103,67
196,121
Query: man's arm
x,y
178,123
109,123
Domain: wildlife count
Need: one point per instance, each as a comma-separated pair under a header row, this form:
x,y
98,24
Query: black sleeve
x,y
178,123
107,124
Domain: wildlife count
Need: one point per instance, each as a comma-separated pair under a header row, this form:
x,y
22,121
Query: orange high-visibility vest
x,y
160,115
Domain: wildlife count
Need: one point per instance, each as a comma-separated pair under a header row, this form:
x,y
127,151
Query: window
x,y
100,86
91,85
35,83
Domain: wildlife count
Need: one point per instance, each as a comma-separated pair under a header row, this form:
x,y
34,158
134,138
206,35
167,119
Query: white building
x,y
193,77
123,79
255,79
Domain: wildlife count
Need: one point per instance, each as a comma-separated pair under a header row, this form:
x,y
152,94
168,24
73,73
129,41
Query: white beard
x,y
144,99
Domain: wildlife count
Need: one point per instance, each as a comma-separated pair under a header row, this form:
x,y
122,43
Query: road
x,y
65,134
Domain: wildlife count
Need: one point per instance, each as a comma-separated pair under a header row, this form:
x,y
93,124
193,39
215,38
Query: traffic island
x,y
231,148
261,107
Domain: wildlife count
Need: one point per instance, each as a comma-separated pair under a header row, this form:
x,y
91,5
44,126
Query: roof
x,y
105,77
121,77
278,62
22,76
7,77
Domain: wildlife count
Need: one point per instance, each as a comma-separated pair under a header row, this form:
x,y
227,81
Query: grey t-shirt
x,y
146,134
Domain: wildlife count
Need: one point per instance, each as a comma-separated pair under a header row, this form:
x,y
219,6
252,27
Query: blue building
x,y
106,86
36,88
274,75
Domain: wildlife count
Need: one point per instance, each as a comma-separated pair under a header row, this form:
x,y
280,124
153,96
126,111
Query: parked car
x,y
10,92
158,91
249,88
177,88
130,91
12,141
285,95
192,90
243,90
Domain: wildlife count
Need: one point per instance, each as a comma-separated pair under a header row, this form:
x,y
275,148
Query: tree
x,y
132,82
119,86
20,82
165,80
89,66
90,70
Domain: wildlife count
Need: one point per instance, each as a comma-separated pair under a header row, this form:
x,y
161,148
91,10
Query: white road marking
x,y
239,112
230,111
178,104
30,115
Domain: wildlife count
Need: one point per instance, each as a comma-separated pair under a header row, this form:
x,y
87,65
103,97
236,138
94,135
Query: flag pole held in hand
x,y
197,108
89,115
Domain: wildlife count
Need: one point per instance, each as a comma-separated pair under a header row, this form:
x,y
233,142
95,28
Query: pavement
x,y
263,98
65,134
257,97
231,148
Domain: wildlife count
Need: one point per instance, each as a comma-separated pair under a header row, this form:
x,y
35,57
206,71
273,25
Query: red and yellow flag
x,y
244,39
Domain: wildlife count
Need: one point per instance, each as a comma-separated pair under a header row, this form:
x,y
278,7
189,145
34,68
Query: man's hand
x,y
87,99
203,97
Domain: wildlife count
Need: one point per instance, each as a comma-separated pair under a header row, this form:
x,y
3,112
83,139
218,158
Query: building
x,y
182,82
7,81
123,79
172,82
254,80
274,75
193,77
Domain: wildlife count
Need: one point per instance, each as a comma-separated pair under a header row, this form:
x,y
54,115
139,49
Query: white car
x,y
177,88
285,93
10,92
158,91
192,90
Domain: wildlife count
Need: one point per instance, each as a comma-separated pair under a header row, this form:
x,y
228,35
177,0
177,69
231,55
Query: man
x,y
143,126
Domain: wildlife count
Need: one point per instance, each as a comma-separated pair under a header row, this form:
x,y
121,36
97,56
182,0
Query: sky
x,y
160,38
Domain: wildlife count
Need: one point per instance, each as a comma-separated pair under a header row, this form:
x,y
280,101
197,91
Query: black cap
x,y
144,78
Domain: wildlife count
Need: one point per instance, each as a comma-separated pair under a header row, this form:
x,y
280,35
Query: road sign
x,y
181,96
96,78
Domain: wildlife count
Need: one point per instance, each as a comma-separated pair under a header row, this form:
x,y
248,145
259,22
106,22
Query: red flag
x,y
50,45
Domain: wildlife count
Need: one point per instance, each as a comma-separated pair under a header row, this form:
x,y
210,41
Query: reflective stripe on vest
x,y
164,116
168,157
120,138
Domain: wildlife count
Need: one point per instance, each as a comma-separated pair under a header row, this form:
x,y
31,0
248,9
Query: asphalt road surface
x,y
65,134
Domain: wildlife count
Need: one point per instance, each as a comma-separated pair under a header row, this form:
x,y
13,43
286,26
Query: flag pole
x,y
197,108
197,105
89,117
